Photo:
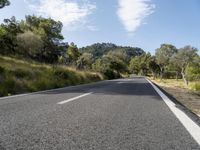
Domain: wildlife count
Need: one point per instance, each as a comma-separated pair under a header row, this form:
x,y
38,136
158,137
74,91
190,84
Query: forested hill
x,y
100,49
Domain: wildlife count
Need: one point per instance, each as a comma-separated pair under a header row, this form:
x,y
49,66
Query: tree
x,y
134,65
154,67
183,58
50,32
174,65
163,55
118,65
73,54
29,44
107,67
9,30
4,3
193,69
99,65
100,49
119,54
139,64
85,61
47,29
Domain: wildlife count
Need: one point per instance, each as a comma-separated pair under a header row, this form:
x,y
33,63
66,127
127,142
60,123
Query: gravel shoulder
x,y
188,98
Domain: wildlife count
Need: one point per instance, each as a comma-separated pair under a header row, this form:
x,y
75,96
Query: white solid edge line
x,y
188,123
74,98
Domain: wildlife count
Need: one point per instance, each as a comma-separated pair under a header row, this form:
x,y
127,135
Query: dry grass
x,y
183,93
21,76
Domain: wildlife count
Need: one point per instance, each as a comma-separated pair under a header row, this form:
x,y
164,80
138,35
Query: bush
x,y
21,73
110,74
61,73
17,76
2,70
195,86
10,85
170,75
29,44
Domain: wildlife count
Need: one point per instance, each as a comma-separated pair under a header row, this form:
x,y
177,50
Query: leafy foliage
x,y
100,49
72,53
4,3
163,55
183,57
139,64
40,39
85,61
31,47
45,32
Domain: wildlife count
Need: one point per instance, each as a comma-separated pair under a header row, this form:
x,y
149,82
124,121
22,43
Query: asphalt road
x,y
125,114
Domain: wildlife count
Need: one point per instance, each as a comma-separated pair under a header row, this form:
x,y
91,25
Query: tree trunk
x,y
184,76
176,75
161,73
154,75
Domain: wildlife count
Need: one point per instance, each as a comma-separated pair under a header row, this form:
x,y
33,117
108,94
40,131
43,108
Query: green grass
x,y
22,76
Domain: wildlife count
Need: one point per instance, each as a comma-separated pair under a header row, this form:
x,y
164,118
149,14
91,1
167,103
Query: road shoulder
x,y
183,96
190,125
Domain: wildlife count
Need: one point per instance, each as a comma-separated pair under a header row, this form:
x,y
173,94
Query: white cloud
x,y
92,28
133,12
73,14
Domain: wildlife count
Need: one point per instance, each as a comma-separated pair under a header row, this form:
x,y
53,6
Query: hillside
x,y
22,76
100,49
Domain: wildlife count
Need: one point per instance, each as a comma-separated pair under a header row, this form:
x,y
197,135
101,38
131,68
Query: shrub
x,y
17,76
195,86
2,70
61,73
170,75
21,73
110,74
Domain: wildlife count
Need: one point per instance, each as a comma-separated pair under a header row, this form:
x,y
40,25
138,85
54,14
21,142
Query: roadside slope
x,y
21,76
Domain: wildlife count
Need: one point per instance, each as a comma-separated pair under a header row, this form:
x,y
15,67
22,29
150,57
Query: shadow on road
x,y
139,87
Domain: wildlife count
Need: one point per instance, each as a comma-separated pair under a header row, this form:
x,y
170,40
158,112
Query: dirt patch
x,y
188,98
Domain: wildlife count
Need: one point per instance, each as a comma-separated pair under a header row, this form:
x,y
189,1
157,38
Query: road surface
x,y
122,114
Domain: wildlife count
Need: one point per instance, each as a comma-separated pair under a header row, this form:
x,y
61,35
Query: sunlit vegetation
x,y
34,56
21,76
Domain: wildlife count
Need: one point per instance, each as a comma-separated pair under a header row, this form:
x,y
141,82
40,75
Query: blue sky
x,y
141,23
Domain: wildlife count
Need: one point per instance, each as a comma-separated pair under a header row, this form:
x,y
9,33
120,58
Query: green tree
x,y
118,65
29,44
73,54
134,65
139,64
9,30
47,29
193,69
99,66
85,61
4,3
153,67
119,54
183,58
50,32
100,49
163,55
107,67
